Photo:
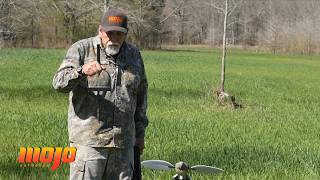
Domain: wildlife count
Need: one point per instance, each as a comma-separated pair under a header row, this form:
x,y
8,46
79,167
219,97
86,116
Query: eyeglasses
x,y
115,33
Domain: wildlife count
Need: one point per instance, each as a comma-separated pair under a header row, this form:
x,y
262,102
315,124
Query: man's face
x,y
112,41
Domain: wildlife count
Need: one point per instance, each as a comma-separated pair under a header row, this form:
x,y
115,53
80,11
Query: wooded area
x,y
290,26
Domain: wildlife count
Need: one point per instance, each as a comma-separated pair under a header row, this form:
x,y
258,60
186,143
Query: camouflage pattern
x,y
108,109
101,163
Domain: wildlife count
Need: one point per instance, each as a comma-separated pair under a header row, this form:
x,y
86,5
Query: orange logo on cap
x,y
115,19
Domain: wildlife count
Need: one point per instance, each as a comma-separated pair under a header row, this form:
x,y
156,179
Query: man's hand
x,y
91,68
140,144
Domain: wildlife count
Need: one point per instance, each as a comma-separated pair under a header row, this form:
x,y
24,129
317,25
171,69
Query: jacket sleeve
x,y
140,117
67,76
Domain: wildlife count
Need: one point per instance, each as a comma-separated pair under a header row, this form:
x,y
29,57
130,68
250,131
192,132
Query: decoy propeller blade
x,y
157,164
206,169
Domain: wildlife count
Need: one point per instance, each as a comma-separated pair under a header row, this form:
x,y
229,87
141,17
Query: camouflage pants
x,y
101,163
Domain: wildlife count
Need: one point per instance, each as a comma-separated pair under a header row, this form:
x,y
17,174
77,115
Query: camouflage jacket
x,y
107,109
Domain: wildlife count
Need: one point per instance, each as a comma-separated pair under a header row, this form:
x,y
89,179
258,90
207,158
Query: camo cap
x,y
114,20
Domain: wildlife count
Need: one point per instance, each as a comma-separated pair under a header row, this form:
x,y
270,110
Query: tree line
x,y
274,25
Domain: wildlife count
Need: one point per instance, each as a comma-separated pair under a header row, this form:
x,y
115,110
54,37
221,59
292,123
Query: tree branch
x,y
172,12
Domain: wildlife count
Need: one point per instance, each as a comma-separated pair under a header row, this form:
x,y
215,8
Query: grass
x,y
276,135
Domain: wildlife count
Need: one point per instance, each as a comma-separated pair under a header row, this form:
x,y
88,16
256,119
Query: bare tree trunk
x,y
140,25
55,34
213,33
212,38
233,36
32,31
224,51
107,5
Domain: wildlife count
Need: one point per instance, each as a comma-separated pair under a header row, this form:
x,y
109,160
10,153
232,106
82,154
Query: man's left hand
x,y
140,144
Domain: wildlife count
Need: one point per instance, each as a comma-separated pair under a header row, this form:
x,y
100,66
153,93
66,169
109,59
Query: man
x,y
107,87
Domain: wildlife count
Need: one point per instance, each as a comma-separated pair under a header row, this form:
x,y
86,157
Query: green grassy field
x,y
276,135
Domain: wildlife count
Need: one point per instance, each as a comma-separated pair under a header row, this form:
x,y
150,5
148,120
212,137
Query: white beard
x,y
112,48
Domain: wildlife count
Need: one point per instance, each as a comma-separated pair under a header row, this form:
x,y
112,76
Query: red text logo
x,y
47,155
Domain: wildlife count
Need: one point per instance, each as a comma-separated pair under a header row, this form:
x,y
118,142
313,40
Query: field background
x,y
276,135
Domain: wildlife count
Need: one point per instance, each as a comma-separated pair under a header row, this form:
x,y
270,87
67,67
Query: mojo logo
x,y
115,19
47,155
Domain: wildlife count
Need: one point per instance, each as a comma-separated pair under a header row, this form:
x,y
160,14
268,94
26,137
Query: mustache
x,y
113,44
